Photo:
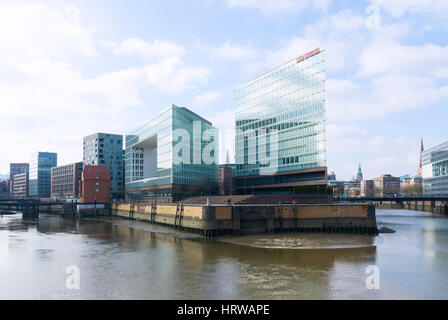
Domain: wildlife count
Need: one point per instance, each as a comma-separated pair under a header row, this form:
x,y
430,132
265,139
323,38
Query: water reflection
x,y
121,259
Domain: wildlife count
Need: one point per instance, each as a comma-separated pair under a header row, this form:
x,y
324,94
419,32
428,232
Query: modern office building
x,y
280,128
107,149
40,173
387,186
21,185
173,156
65,180
17,168
435,171
95,185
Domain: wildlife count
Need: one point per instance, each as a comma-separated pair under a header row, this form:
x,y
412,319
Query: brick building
x,y
95,185
225,180
387,186
367,188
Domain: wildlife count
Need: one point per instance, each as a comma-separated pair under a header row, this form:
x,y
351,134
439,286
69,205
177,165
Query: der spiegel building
x,y
288,104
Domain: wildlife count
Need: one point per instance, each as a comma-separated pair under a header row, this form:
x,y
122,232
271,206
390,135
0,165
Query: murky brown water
x,y
120,259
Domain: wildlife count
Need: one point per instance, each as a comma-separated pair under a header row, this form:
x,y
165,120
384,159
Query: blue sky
x,y
71,68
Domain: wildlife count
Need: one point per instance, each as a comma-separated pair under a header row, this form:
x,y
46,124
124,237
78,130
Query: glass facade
x,y
106,149
40,173
288,101
435,171
151,168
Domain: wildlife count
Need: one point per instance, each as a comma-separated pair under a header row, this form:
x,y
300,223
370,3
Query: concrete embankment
x,y
217,220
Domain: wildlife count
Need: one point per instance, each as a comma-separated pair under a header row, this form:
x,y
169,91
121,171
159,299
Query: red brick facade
x,y
95,185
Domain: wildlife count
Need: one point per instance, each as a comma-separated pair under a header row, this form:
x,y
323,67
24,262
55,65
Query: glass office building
x,y
106,149
156,166
435,171
40,173
280,122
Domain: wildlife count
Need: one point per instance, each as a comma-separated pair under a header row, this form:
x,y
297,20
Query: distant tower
x,y
359,177
227,157
420,165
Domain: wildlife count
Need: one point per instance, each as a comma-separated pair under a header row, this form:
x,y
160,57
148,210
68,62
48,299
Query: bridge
x,y
29,207
428,204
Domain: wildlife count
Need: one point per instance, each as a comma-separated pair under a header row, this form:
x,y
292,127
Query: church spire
x,y
420,165
359,176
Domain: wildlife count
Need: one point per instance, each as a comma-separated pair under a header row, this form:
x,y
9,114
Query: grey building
x,y
21,185
435,170
65,180
40,173
107,149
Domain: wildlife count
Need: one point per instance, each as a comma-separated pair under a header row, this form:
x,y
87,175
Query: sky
x,y
72,68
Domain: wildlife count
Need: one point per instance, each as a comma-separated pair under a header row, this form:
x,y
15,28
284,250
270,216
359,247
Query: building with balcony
x,y
280,128
106,149
21,185
172,156
16,168
65,180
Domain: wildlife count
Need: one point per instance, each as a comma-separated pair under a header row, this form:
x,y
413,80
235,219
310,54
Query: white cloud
x,y
47,103
385,56
276,6
147,50
398,8
172,75
165,70
206,98
29,32
229,51
349,100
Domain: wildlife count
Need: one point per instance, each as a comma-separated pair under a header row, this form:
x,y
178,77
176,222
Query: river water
x,y
121,259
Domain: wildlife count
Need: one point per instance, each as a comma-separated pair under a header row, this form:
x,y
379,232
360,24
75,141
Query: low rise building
x,y
367,188
65,180
225,179
21,185
352,189
5,187
95,185
387,186
412,186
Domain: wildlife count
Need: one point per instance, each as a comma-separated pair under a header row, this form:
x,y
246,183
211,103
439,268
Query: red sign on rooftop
x,y
308,55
